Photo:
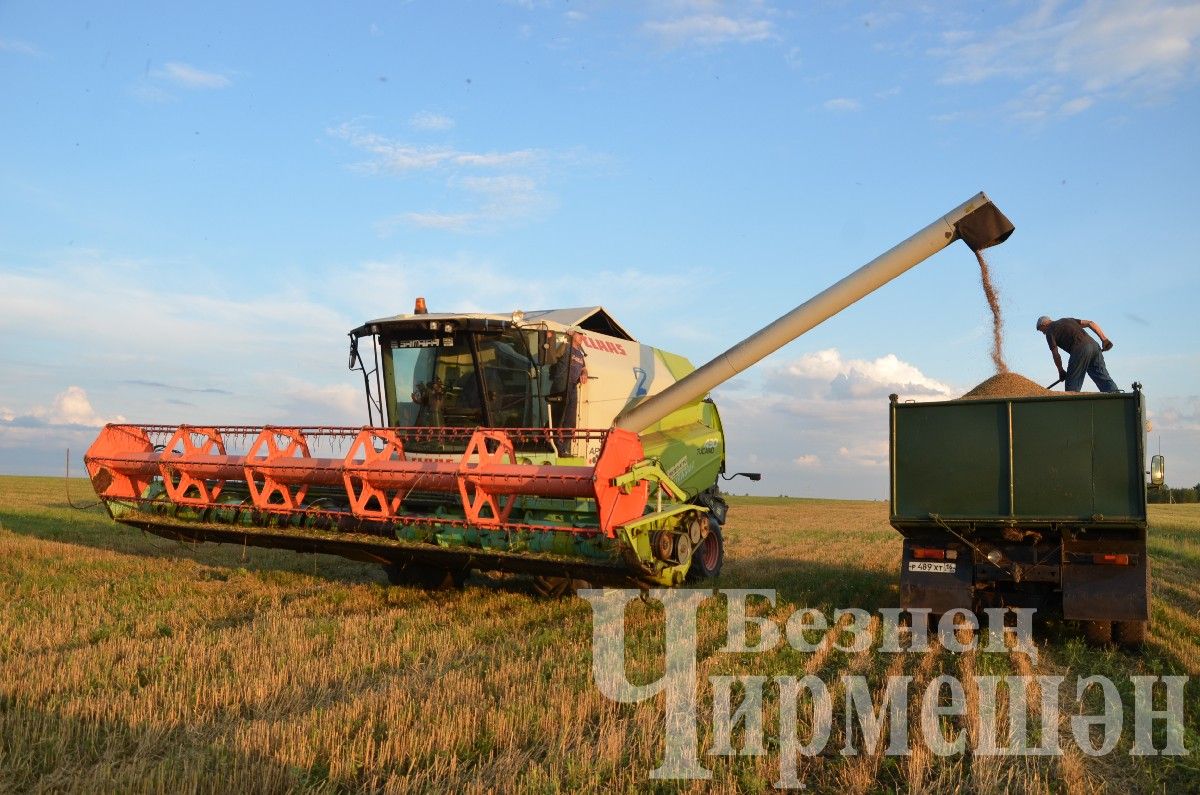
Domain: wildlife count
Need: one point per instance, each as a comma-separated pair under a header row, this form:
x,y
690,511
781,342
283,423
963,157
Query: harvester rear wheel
x,y
709,557
431,578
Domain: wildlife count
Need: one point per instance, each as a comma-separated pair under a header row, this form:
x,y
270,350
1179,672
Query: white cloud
x,y
495,159
72,407
447,222
188,76
1077,105
865,454
1177,414
952,116
121,322
710,22
32,440
326,404
155,87
428,121
18,47
398,157
492,199
826,375
69,407
842,104
1140,49
505,185
817,424
499,199
468,284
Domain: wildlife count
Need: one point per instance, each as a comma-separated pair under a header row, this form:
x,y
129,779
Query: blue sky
x,y
195,206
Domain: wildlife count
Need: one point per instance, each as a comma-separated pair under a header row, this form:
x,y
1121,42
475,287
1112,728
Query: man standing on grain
x,y
1086,355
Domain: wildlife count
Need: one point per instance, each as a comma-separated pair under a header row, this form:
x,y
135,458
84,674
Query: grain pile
x,y
1003,384
993,300
1008,385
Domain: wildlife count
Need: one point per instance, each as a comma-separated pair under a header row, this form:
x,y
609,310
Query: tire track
x,y
920,756
860,776
981,772
858,663
1071,770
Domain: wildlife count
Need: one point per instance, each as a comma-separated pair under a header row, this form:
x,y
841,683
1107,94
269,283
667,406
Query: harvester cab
x,y
457,371
546,372
551,443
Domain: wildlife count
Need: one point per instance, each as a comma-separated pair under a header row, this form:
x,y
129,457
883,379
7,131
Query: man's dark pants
x,y
1088,358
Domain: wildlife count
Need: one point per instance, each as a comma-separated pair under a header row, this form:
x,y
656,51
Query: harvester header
x,y
549,442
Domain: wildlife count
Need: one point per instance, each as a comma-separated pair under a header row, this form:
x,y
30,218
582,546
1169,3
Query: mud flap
x,y
923,585
1100,592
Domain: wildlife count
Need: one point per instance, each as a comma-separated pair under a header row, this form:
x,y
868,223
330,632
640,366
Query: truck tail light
x,y
927,553
1108,559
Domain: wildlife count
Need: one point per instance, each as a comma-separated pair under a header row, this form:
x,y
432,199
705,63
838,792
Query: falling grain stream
x,y
993,300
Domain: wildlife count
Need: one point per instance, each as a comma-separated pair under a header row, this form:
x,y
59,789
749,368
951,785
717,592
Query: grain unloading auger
x,y
483,457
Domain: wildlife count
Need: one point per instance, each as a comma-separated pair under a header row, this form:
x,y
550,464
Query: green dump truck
x,y
1036,502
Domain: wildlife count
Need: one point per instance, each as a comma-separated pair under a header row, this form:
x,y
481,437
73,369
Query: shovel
x,y
1056,383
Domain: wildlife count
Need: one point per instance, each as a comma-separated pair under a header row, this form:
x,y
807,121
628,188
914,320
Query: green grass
x,y
133,663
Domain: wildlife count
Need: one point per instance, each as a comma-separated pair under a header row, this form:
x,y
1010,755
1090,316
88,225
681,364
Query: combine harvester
x,y
494,451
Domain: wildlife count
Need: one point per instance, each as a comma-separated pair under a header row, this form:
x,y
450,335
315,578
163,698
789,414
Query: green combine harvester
x,y
549,443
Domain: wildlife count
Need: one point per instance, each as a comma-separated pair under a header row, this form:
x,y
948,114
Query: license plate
x,y
930,565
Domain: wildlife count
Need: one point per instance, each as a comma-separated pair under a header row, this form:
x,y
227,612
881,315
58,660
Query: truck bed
x,y
1038,462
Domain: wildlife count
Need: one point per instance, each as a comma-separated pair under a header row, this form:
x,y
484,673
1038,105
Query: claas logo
x,y
603,345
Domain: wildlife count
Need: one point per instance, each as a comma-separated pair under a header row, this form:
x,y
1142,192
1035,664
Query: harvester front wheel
x,y
709,556
431,578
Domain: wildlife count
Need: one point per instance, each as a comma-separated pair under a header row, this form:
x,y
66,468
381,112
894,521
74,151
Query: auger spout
x,y
977,221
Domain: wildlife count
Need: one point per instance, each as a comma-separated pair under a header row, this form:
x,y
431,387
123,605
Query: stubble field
x,y
132,663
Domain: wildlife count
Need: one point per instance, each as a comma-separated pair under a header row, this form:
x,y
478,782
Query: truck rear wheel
x,y
1130,633
1098,633
709,557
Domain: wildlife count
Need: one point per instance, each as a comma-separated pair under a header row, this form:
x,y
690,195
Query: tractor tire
x,y
1131,634
709,557
1098,633
429,578
559,587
